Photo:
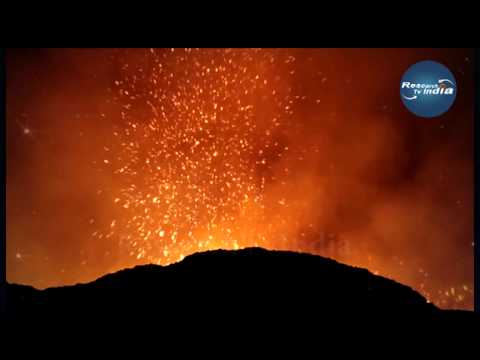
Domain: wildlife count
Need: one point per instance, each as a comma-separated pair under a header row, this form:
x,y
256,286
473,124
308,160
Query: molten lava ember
x,y
125,157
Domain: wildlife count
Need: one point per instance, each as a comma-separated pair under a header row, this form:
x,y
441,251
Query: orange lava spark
x,y
193,162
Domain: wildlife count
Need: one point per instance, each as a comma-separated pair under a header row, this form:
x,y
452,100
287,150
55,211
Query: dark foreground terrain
x,y
250,286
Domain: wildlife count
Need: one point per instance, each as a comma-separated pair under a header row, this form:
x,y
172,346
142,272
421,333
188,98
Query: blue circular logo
x,y
428,89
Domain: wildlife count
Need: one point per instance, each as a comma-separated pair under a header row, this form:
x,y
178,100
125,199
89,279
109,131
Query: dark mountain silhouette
x,y
249,285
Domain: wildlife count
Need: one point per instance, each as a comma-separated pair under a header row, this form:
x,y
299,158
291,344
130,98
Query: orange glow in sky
x,y
124,157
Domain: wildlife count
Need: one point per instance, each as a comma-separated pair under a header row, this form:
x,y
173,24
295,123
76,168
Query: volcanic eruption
x,y
135,156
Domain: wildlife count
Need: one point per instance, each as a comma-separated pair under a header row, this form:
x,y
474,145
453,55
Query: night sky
x,y
120,157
